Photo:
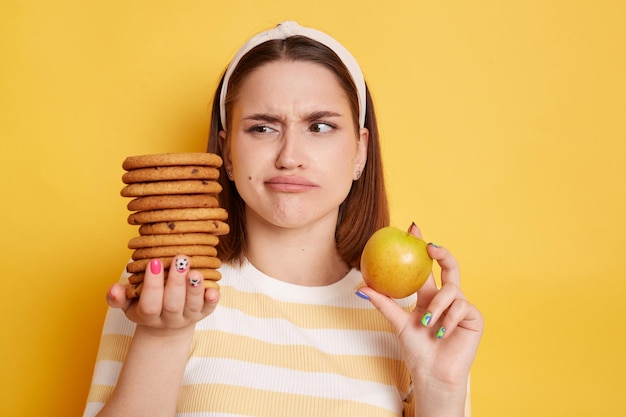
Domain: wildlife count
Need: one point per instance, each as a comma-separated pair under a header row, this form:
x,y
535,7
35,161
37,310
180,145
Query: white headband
x,y
283,31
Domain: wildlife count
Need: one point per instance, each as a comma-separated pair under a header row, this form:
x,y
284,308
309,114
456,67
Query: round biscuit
x,y
190,172
172,159
136,278
141,189
211,284
215,227
169,215
165,251
133,290
195,262
208,274
158,202
175,239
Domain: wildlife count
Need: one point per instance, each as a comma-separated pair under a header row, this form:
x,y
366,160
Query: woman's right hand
x,y
173,304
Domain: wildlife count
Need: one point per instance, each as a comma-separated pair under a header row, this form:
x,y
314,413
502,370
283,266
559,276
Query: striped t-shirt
x,y
276,349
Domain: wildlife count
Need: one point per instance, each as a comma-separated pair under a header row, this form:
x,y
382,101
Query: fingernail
x,y
194,280
440,332
155,266
434,244
362,295
426,319
413,225
181,264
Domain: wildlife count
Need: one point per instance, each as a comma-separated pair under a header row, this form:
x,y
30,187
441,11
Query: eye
x,y
259,129
321,127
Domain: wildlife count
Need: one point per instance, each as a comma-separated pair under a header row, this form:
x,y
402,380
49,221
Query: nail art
x,y
362,295
440,332
155,266
434,244
182,264
194,281
426,319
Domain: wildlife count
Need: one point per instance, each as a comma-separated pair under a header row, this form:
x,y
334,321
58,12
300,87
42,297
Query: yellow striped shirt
x,y
276,349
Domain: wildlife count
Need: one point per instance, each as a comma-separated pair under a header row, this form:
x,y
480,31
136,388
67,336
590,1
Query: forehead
x,y
296,83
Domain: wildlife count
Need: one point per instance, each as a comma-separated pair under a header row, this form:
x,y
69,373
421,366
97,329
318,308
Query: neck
x,y
305,256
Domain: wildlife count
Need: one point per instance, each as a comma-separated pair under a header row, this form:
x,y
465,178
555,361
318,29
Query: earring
x,y
230,174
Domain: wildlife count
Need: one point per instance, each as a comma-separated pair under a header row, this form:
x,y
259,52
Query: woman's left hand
x,y
440,337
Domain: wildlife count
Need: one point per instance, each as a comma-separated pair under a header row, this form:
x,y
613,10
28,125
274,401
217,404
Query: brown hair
x,y
364,210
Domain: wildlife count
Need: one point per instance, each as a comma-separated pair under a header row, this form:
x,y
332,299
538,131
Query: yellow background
x,y
504,136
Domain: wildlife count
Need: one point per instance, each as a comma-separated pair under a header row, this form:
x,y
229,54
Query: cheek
x,y
342,159
245,159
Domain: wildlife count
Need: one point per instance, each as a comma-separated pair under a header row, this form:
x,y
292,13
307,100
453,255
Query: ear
x,y
225,148
361,151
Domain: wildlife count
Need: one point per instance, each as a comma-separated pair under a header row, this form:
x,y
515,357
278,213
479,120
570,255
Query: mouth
x,y
290,184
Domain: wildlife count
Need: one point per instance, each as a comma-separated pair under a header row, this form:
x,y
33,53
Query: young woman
x,y
286,335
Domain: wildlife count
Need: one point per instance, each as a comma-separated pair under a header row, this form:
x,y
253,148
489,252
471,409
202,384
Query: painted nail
x,y
182,264
426,319
413,225
441,332
155,266
434,244
194,280
362,295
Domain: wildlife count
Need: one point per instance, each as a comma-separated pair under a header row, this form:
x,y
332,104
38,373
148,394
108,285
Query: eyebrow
x,y
270,118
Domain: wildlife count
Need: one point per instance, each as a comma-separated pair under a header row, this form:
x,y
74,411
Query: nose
x,y
291,152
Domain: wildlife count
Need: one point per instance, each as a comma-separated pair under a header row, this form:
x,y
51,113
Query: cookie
x,y
141,189
211,284
215,227
167,215
166,251
172,159
136,278
176,239
208,274
134,290
158,202
195,262
191,172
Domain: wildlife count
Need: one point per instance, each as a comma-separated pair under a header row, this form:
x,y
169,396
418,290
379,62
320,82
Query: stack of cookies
x,y
175,205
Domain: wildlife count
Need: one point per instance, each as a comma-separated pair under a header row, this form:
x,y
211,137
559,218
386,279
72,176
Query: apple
x,y
395,262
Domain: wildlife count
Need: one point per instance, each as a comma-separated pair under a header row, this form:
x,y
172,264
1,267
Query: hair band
x,y
283,31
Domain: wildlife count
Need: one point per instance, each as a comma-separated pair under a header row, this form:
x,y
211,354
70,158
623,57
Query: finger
x,y
441,302
415,231
426,293
195,294
150,303
175,292
386,306
459,311
116,297
450,273
211,299
429,289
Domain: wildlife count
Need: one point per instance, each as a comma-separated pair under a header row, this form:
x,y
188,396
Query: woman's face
x,y
292,149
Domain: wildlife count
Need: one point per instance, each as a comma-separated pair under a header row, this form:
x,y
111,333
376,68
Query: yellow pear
x,y
395,262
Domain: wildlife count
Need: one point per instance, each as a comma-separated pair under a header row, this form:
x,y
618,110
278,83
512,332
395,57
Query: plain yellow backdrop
x,y
504,129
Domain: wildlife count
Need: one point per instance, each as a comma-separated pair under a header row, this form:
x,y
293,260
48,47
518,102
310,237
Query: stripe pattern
x,y
277,349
